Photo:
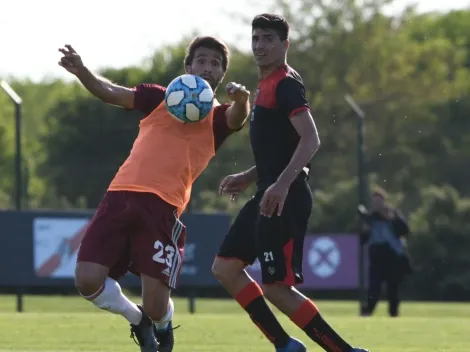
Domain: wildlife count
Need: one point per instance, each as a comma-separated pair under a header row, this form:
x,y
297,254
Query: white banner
x,y
56,243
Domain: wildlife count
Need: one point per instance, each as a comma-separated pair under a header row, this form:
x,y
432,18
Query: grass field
x,y
70,324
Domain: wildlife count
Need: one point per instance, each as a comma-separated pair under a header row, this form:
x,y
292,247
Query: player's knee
x,y
87,285
226,270
88,279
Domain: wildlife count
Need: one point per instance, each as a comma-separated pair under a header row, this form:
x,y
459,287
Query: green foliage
x,y
439,245
86,142
6,168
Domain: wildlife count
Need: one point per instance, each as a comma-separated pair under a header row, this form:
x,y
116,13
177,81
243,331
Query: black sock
x,y
311,322
252,300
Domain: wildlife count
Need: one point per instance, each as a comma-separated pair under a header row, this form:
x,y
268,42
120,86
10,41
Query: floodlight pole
x,y
17,101
363,192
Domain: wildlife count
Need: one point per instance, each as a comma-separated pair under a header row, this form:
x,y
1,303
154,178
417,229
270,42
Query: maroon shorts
x,y
136,232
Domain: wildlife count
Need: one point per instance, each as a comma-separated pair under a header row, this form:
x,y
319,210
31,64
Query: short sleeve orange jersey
x,y
167,157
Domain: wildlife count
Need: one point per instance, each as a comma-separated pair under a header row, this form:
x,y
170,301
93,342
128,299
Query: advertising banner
x,y
330,261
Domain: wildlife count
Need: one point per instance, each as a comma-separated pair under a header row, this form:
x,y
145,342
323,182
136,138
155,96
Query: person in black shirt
x,y
385,234
271,226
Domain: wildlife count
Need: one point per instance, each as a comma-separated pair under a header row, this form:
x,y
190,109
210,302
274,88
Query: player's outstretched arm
x,y
100,87
238,112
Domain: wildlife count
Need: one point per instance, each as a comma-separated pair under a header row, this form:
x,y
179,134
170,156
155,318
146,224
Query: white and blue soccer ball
x,y
189,98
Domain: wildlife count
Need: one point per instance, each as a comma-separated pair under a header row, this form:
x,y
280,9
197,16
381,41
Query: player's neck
x,y
265,71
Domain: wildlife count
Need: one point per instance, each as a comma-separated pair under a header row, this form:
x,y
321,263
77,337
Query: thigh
x,y
121,266
375,276
239,243
105,240
393,268
157,242
280,240
392,286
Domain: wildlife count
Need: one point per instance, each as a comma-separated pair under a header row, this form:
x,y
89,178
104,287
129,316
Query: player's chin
x,y
212,82
259,59
262,61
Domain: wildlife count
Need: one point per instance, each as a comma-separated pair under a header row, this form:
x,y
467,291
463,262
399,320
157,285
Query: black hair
x,y
271,21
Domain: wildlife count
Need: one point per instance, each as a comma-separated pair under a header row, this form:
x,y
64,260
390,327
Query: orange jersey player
x,y
136,227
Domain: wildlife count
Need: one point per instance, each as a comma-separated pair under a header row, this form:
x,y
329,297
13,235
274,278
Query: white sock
x,y
163,324
110,297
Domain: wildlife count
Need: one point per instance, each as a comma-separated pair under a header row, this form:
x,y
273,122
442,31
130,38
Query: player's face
x,y
267,46
207,63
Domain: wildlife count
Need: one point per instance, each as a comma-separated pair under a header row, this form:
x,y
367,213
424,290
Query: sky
x,y
114,33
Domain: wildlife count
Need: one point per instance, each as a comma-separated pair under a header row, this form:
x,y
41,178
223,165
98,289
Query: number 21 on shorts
x,y
268,256
164,254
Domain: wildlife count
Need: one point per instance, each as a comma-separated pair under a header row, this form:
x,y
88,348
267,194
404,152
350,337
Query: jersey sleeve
x,y
290,96
400,225
220,125
148,96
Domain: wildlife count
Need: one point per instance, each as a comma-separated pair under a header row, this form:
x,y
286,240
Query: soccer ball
x,y
189,98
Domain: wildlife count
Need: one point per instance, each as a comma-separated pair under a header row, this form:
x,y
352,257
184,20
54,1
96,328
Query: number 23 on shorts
x,y
164,255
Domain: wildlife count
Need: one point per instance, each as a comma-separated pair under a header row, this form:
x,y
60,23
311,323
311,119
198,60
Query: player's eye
x,y
215,63
201,61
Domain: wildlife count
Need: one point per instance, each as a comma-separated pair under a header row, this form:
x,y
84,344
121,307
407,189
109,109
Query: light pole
x,y
18,171
363,191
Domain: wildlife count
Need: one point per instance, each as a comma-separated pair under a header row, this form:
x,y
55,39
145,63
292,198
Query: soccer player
x,y
136,227
272,224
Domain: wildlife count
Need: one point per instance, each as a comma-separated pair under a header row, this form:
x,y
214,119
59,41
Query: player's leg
x,y
103,248
375,278
157,255
238,250
393,279
159,306
280,247
393,297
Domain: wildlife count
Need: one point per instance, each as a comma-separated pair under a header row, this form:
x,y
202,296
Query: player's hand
x,y
71,61
234,185
362,209
238,93
404,241
274,197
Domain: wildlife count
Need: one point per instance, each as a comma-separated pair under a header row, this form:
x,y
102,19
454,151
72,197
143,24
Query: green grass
x,y
70,324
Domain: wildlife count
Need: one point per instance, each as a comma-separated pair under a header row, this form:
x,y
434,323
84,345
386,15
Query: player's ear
x,y
187,69
286,44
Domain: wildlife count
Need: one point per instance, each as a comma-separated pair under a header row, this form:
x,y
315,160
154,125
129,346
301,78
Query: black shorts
x,y
277,242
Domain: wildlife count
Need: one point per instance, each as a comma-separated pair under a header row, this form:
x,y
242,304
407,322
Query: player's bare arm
x,y
100,87
238,183
251,174
238,112
309,143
